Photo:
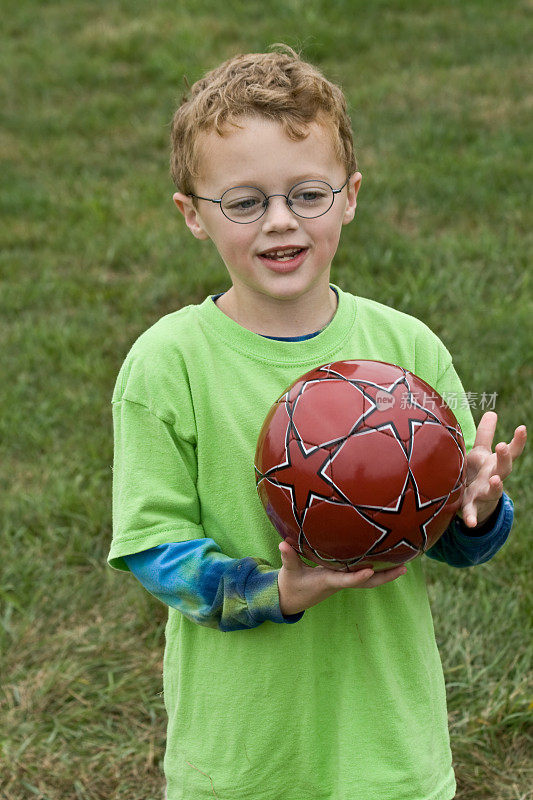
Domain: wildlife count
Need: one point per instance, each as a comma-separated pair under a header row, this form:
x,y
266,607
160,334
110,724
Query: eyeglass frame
x,y
267,198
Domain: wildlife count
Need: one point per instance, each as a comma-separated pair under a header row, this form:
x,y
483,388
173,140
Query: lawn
x,y
93,252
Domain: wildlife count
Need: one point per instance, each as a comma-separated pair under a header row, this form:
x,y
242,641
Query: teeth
x,y
283,255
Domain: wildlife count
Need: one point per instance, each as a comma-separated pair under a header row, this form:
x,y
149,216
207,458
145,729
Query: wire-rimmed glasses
x,y
245,204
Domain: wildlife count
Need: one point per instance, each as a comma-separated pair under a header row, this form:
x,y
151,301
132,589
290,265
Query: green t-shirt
x,y
349,702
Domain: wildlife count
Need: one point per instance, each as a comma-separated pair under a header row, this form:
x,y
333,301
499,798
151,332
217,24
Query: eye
x,y
244,204
310,194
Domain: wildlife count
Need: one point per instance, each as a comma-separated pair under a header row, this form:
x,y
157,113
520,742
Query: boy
x,y
267,700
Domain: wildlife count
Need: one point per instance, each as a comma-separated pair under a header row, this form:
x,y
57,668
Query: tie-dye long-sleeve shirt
x,y
213,589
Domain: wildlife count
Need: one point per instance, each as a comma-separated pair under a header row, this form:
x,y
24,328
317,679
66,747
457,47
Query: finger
x,y
469,514
350,580
491,491
495,487
385,576
490,494
468,506
486,430
518,442
289,557
504,460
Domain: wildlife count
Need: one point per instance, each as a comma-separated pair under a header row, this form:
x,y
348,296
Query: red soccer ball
x,y
360,463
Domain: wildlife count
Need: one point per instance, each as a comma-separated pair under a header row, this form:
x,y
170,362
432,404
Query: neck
x,y
271,316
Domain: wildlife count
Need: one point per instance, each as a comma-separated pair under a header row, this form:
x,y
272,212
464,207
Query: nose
x,y
278,216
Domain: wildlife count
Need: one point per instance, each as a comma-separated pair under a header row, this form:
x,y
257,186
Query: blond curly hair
x,y
278,86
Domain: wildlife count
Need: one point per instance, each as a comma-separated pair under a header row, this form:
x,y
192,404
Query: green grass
x,y
93,252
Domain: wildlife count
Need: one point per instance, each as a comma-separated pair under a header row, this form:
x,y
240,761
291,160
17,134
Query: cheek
x,y
327,236
234,246
237,245
229,238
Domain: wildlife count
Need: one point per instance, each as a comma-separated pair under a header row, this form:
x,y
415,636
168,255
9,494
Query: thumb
x,y
289,557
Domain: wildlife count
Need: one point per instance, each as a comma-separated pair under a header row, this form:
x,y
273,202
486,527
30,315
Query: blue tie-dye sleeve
x,y
462,547
231,594
209,587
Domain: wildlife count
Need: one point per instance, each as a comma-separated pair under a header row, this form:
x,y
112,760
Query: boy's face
x,y
261,155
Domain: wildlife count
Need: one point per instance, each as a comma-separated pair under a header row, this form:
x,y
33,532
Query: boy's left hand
x,y
486,471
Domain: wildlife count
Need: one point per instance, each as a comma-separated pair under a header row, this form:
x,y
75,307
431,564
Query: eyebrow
x,y
308,176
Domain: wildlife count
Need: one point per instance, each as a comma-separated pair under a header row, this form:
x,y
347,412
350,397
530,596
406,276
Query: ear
x,y
185,206
353,186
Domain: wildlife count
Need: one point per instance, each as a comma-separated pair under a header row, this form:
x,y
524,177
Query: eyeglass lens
x,y
306,199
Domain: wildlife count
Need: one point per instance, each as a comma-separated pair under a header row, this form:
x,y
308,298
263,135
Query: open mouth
x,y
283,254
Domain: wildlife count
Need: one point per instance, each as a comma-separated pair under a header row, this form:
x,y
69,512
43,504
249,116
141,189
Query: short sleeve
x,y
154,483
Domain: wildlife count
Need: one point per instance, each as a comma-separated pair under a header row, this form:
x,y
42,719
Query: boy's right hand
x,y
301,586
